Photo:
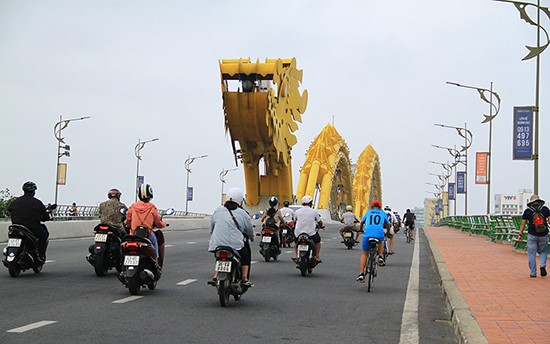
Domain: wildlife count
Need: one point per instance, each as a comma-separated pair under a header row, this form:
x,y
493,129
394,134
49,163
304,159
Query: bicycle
x,y
408,233
371,268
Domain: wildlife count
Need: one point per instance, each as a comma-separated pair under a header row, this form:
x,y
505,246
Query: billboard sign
x,y
523,133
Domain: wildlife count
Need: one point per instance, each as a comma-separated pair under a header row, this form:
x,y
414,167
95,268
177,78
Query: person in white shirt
x,y
391,231
307,220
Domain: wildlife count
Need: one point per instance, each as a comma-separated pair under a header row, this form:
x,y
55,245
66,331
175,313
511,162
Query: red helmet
x,y
114,193
376,203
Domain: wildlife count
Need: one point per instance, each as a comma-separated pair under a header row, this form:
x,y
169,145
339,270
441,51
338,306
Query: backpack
x,y
270,221
538,220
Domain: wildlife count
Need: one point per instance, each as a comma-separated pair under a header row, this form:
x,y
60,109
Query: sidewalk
x,y
490,282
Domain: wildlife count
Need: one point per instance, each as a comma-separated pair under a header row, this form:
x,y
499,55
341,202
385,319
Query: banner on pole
x,y
523,131
189,193
62,174
141,181
461,182
451,191
482,159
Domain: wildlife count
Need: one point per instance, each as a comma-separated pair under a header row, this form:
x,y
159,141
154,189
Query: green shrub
x,y
5,199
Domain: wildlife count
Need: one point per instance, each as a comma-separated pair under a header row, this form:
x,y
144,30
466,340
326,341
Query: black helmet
x,y
114,193
286,203
273,201
145,192
29,187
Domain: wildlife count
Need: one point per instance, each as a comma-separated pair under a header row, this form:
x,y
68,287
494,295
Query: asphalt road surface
x,y
68,303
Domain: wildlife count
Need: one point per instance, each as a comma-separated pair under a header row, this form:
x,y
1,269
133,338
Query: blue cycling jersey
x,y
374,220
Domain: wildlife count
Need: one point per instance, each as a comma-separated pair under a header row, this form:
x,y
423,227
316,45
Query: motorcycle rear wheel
x,y
99,264
303,266
14,270
134,285
223,292
152,285
37,268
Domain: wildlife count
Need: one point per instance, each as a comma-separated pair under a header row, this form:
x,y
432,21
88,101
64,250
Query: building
x,y
507,204
430,217
419,213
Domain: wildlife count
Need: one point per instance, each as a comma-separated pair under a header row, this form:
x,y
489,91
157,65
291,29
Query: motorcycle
x,y
106,252
269,245
349,241
229,280
139,265
21,253
306,254
287,231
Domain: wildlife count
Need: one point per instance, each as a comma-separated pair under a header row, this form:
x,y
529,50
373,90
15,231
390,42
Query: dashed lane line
x,y
253,262
191,242
168,245
186,282
31,326
128,299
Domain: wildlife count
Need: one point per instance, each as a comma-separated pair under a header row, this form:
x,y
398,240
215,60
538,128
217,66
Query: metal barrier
x,y
497,228
86,212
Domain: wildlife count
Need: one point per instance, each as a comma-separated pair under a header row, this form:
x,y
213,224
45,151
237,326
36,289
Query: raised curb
x,y
464,323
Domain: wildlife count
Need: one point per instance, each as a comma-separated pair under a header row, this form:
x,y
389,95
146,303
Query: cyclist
x,y
307,220
349,220
391,231
409,219
374,222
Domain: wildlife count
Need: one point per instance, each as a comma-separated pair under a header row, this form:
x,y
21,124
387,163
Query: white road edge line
x,y
32,326
128,299
409,320
191,242
186,282
168,245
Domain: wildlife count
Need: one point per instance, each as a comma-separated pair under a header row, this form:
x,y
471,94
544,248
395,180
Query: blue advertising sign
x,y
189,193
461,182
141,180
440,204
451,191
523,133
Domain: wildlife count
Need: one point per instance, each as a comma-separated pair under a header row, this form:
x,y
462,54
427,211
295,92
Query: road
x,y
67,303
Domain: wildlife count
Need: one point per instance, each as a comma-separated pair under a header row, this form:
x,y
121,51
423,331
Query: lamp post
x,y
57,129
534,52
137,150
488,118
223,173
463,153
188,163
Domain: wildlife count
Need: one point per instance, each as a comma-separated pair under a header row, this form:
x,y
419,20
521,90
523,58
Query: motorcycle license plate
x,y
14,242
223,266
131,260
266,239
348,235
100,237
285,231
303,247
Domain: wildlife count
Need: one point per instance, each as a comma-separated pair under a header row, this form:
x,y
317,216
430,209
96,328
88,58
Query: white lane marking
x,y
191,242
186,282
253,262
128,299
409,320
50,261
288,251
168,245
32,326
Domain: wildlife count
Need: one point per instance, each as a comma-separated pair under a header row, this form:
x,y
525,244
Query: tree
x,y
6,198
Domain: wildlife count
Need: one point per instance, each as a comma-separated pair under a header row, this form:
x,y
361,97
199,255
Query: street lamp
x,y
57,129
534,52
137,150
223,173
188,163
488,118
468,140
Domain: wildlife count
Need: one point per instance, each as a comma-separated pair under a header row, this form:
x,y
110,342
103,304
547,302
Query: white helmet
x,y
349,208
307,199
235,195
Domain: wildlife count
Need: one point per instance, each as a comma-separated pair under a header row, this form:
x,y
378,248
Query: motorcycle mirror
x,y
169,211
123,211
52,207
261,212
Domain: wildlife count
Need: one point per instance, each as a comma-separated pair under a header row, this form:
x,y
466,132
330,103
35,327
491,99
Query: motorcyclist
x,y
273,218
349,220
29,211
144,213
307,220
110,212
287,212
230,226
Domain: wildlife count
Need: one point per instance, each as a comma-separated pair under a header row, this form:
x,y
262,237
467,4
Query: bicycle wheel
x,y
371,268
408,236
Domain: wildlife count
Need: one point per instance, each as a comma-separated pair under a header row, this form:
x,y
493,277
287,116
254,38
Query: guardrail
x,y
85,212
497,228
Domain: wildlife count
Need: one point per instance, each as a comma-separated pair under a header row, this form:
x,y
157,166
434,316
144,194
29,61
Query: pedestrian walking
x,y
537,215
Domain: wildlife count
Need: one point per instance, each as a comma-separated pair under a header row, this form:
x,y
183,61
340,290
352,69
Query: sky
x,y
149,69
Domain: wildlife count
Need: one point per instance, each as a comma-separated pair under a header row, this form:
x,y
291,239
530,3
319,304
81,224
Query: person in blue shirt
x,y
374,222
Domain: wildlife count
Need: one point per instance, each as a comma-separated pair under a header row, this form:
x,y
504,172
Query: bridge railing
x,y
497,228
86,212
